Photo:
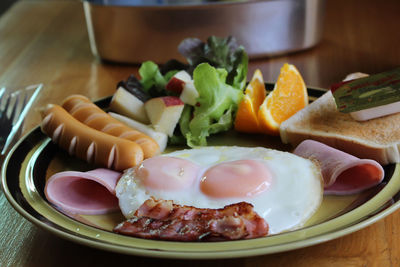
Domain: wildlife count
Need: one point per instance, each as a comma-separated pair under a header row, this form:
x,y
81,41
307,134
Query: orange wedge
x,y
246,118
288,97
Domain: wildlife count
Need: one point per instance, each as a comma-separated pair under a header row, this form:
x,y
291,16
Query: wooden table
x,y
46,42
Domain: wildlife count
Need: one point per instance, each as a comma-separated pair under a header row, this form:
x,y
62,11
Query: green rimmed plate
x,y
34,159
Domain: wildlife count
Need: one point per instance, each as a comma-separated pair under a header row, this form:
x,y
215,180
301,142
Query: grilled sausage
x,y
87,143
81,108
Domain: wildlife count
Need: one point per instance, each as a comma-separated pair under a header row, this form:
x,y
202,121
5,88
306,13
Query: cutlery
x,y
13,109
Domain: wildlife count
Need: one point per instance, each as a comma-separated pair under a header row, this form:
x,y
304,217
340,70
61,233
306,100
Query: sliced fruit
x,y
247,116
189,94
164,113
178,81
182,84
129,105
288,96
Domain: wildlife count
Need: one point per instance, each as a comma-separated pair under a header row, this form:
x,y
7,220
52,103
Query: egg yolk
x,y
240,178
167,173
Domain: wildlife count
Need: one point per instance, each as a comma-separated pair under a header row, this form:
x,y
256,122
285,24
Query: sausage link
x,y
81,108
87,143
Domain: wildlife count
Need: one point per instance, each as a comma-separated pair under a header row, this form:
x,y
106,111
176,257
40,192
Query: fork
x,y
13,112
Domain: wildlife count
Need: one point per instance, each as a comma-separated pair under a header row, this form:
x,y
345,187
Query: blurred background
x,y
5,4
46,41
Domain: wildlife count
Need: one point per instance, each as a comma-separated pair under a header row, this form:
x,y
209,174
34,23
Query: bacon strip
x,y
162,219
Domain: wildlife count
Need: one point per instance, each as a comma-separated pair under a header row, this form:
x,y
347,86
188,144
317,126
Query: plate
x,y
34,159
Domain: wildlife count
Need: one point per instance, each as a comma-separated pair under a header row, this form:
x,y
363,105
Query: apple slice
x,y
189,94
178,81
164,113
129,105
160,138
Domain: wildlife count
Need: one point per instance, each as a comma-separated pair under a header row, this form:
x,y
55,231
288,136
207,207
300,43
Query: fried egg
x,y
285,189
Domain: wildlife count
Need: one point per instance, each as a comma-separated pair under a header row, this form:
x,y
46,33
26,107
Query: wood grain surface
x,y
46,42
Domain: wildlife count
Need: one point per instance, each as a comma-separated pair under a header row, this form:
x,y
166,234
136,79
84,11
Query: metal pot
x,y
135,31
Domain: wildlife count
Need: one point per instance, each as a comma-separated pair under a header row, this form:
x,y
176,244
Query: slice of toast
x,y
377,139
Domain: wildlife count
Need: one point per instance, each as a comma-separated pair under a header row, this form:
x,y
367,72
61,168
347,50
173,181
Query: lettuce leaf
x,y
151,76
220,53
239,75
218,102
153,82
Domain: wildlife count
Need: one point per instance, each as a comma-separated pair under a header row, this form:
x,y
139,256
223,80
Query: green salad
x,y
218,68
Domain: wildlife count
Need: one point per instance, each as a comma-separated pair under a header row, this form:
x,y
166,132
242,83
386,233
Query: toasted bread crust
x,y
377,139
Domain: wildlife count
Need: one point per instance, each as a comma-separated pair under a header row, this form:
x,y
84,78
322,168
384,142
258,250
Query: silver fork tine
x,y
24,103
13,114
5,109
2,91
22,114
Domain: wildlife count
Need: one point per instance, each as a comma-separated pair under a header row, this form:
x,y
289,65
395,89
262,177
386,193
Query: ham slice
x,y
89,193
342,173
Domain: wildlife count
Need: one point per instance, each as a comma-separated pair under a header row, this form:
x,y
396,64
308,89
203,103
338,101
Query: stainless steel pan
x,y
134,31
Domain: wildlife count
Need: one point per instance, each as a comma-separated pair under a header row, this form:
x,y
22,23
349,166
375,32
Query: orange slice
x,y
246,117
288,97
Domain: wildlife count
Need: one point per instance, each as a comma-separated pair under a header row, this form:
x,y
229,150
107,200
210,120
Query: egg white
x,y
294,195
